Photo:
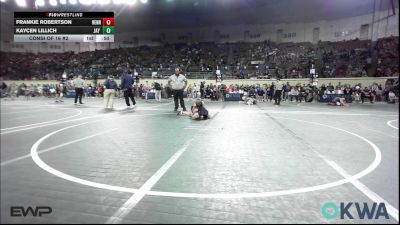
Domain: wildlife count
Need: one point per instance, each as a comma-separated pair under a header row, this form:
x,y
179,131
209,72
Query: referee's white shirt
x,y
279,86
177,82
78,83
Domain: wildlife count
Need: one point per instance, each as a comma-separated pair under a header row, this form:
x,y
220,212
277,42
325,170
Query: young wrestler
x,y
249,100
337,101
197,112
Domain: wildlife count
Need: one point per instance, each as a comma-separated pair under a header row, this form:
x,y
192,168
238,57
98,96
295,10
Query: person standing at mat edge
x,y
178,83
109,93
126,85
78,83
278,91
158,88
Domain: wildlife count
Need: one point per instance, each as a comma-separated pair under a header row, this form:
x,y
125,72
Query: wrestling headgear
x,y
199,102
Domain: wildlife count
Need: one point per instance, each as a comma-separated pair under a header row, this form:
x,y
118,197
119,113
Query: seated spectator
x,y
13,91
3,90
208,92
356,96
309,94
302,93
367,93
379,93
392,97
294,93
215,93
347,93
252,93
260,94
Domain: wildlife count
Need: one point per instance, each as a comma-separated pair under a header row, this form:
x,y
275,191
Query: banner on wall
x,y
257,62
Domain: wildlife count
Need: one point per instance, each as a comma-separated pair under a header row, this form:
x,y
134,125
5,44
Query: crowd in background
x,y
352,58
263,93
295,92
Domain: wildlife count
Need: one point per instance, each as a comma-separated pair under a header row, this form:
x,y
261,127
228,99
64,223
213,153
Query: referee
x,y
78,83
178,83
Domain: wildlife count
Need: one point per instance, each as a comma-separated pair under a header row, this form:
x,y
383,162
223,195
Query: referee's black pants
x,y
179,94
278,94
78,94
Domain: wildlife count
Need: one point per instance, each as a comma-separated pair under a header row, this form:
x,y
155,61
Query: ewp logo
x,y
331,211
17,211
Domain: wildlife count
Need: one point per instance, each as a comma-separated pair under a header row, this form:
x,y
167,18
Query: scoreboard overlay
x,y
64,26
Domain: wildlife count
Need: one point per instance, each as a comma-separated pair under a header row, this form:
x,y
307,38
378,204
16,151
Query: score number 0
x,y
108,21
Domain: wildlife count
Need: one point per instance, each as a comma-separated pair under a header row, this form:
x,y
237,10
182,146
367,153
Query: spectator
x,y
366,93
271,92
59,92
109,93
100,90
202,90
146,90
157,87
347,93
294,93
391,97
127,82
260,94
